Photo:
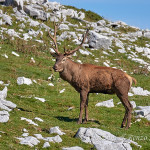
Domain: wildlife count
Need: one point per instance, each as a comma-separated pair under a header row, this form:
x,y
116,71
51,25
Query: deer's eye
x,y
63,60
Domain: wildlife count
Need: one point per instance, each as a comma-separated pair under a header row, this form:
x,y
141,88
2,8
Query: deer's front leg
x,y
83,98
86,110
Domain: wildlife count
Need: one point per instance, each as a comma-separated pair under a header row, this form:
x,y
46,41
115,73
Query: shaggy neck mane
x,y
70,70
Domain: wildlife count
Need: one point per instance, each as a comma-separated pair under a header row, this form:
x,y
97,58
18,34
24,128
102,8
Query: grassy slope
x,y
54,111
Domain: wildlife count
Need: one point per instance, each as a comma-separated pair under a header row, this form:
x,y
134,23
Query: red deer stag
x,y
88,78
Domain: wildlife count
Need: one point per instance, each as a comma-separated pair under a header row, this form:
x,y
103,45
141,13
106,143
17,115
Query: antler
x,y
76,49
55,47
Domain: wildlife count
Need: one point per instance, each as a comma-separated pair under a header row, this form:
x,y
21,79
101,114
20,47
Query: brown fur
x,y
88,78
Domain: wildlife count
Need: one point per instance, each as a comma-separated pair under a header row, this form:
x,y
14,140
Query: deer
x,y
89,78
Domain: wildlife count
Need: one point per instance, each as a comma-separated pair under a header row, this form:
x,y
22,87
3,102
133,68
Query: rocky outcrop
x,y
98,41
103,140
23,80
36,12
108,103
73,148
5,105
56,130
15,3
143,112
4,116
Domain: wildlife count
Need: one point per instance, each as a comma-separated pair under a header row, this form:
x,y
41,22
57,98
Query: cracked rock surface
x,y
103,140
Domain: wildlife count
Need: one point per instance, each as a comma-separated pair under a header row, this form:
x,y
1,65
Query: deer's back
x,y
102,79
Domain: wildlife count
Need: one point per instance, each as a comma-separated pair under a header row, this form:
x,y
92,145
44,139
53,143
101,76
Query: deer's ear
x,y
54,55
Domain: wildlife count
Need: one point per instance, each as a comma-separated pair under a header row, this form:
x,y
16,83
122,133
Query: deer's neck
x,y
70,71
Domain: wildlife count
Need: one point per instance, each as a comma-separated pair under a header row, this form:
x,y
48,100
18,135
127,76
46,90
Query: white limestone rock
x,y
12,33
85,52
8,104
133,104
145,51
101,23
23,80
62,91
4,116
147,34
7,19
140,61
67,35
103,140
4,104
1,82
29,140
72,148
32,60
130,94
39,136
3,94
33,23
4,55
51,84
143,112
81,15
56,130
53,5
140,91
46,145
39,119
119,43
98,41
3,107
24,130
106,64
18,4
122,51
29,121
63,27
55,139
25,134
69,12
40,99
35,11
15,54
148,117
135,34
108,103
15,3
22,25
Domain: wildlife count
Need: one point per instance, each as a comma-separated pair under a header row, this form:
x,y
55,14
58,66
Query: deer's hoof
x,y
122,125
85,120
79,121
127,127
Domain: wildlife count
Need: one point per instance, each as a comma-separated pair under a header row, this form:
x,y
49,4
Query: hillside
x,y
34,99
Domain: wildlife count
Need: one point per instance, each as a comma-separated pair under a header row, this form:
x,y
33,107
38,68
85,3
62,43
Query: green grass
x,y
89,15
54,111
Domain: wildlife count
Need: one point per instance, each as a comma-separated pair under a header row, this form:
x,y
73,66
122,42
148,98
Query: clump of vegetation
x,y
92,16
126,29
7,9
89,15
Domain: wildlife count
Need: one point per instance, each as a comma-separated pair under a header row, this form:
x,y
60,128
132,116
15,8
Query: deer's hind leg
x,y
122,88
128,110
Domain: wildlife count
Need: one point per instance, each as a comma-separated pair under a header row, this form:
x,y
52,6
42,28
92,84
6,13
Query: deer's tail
x,y
134,80
131,80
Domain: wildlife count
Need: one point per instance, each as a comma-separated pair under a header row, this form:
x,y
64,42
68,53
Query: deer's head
x,y
61,59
